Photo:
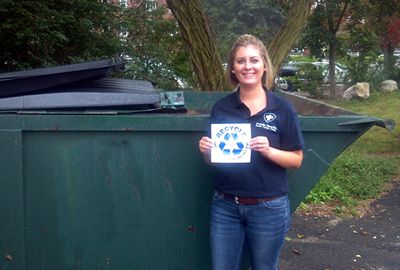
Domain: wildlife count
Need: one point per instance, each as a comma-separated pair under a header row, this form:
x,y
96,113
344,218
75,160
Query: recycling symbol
x,y
231,144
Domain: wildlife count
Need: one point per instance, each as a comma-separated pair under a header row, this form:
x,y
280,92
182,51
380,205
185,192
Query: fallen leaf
x,y
296,251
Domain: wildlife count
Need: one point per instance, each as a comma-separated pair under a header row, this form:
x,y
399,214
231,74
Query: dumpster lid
x,y
105,92
28,81
81,87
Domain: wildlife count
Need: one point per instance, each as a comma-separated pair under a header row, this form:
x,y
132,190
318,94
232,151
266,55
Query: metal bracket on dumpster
x,y
172,99
389,124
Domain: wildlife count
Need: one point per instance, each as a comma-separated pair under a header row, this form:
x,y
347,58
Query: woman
x,y
250,207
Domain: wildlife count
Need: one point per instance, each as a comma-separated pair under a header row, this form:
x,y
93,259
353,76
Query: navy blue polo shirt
x,y
261,177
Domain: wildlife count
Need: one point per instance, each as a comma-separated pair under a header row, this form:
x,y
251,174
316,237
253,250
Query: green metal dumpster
x,y
119,190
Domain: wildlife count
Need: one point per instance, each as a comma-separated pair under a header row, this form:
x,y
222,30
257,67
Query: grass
x,y
364,169
302,58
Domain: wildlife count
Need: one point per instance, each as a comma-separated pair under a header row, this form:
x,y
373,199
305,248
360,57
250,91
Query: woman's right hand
x,y
205,145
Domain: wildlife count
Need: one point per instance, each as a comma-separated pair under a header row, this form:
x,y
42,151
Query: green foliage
x,y
366,32
321,31
358,36
258,17
354,176
45,33
315,35
309,79
155,48
301,59
364,69
142,68
370,28
42,33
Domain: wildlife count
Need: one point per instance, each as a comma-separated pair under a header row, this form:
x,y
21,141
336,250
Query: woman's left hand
x,y
285,159
260,144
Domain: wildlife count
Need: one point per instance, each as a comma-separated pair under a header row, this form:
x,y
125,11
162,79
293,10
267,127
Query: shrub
x,y
353,176
309,79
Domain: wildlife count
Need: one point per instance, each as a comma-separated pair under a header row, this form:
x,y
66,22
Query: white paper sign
x,y
231,143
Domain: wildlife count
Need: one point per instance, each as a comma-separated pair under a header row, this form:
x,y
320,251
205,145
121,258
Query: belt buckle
x,y
237,200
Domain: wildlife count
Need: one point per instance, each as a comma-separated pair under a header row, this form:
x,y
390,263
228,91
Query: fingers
x,y
205,145
259,143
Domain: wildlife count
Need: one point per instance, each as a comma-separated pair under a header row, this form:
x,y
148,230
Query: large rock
x,y
357,91
388,86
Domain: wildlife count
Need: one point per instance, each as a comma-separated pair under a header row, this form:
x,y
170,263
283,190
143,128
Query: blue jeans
x,y
261,228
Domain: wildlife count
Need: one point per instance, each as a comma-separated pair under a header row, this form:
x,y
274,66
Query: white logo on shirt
x,y
269,117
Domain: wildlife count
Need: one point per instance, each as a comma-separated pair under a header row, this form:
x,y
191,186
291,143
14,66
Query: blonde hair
x,y
244,41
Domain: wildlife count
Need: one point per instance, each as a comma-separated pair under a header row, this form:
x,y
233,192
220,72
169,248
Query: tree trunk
x,y
388,61
332,71
204,57
333,28
290,32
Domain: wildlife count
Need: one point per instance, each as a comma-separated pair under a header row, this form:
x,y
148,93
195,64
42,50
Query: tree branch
x,y
290,32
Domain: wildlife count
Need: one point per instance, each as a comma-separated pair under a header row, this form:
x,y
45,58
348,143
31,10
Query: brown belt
x,y
244,200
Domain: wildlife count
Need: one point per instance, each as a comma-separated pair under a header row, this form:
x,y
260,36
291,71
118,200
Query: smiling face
x,y
249,66
249,45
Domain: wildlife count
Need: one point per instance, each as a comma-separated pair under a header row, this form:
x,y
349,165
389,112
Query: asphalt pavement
x,y
371,242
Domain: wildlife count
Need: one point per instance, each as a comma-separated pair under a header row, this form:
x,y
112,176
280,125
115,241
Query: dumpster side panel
x,y
304,179
322,148
116,200
12,248
124,191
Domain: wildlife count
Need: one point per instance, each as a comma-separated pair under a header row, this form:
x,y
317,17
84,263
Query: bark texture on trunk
x,y
290,32
333,28
205,60
332,71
